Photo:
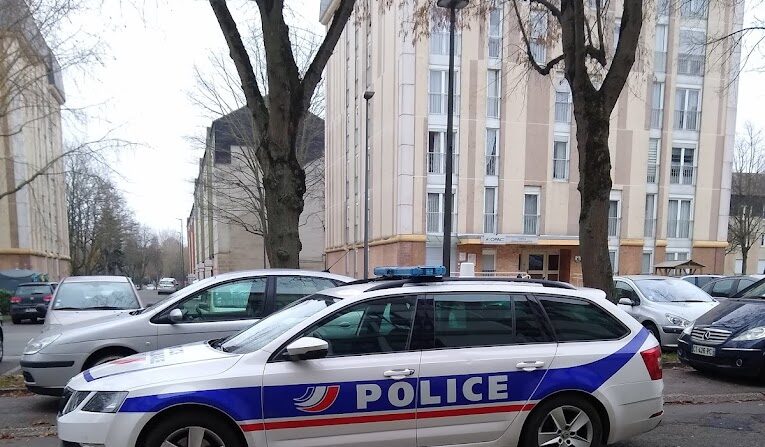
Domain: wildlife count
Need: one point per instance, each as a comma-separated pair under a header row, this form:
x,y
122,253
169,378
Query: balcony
x,y
613,226
437,163
492,107
438,102
690,64
682,174
687,120
530,224
652,176
650,228
495,47
563,112
492,165
657,116
490,223
680,229
660,61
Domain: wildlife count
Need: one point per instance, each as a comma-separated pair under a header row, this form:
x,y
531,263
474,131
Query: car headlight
x,y
678,321
757,333
688,330
74,401
105,402
36,345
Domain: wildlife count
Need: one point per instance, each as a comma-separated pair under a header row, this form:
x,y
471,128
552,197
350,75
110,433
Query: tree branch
x,y
624,57
543,70
547,4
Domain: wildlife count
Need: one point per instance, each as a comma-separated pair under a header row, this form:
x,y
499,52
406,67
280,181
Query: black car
x,y
729,338
30,301
728,286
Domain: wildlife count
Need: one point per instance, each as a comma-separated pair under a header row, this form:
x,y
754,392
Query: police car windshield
x,y
268,329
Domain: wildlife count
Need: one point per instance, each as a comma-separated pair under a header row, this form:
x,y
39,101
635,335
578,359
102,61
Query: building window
x,y
492,94
677,256
495,33
538,35
653,161
688,112
679,224
489,261
531,212
439,40
563,107
657,105
738,266
612,256
490,211
492,151
663,8
650,216
760,267
617,29
560,159
762,240
690,57
435,219
439,93
436,152
660,49
683,169
694,9
613,218
646,264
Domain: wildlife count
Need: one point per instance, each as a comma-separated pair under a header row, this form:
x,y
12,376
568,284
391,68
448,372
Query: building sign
x,y
494,239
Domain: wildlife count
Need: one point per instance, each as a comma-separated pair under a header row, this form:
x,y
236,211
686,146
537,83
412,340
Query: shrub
x,y
5,302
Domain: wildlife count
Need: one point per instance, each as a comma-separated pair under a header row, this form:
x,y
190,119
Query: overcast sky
x,y
142,92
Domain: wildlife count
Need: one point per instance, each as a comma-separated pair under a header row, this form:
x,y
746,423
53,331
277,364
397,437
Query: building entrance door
x,y
543,265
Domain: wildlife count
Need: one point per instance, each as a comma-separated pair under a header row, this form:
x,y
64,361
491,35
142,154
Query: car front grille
x,y
709,336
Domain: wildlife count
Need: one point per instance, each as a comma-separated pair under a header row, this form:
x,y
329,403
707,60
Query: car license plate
x,y
30,310
703,350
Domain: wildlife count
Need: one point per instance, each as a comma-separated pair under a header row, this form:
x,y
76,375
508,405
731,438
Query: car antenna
x,y
327,270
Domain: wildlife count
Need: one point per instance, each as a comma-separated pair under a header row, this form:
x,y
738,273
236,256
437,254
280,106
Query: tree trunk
x,y
744,257
594,190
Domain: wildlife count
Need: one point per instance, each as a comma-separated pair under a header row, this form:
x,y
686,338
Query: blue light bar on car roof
x,y
410,272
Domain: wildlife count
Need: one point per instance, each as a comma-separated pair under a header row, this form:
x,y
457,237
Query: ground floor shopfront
x,y
541,258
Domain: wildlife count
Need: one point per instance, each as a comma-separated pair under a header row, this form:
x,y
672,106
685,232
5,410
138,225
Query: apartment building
x,y
516,203
225,224
33,221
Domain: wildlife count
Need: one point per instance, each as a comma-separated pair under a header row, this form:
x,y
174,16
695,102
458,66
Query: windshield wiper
x,y
67,308
104,308
218,344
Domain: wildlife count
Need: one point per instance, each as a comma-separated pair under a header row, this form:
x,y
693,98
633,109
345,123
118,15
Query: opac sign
x,y
494,239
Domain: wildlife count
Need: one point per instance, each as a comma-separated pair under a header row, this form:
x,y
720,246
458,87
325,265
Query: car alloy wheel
x,y
565,426
193,437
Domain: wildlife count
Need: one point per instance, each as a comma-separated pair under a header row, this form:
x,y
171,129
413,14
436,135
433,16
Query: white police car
x,y
422,361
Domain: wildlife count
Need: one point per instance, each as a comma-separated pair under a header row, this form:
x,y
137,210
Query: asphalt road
x,y
17,335
30,421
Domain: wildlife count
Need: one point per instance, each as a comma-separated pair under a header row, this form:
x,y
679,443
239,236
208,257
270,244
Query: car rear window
x,y
575,319
31,290
96,295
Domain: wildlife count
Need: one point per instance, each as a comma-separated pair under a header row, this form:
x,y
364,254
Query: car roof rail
x,y
395,283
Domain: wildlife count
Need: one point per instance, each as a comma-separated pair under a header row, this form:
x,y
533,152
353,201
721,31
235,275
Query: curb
x,y
694,399
5,392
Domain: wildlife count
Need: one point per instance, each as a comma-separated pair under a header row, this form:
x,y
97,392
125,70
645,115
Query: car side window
x,y
624,290
743,284
722,288
231,301
291,288
575,319
483,319
371,327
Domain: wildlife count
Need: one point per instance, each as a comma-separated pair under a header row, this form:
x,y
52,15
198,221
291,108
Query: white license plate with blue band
x,y
703,350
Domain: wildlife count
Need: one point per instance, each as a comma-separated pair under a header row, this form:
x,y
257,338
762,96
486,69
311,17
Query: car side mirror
x,y
175,316
307,348
627,302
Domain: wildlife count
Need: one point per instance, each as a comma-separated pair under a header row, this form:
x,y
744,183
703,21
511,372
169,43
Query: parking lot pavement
x,y
16,338
150,296
28,421
683,383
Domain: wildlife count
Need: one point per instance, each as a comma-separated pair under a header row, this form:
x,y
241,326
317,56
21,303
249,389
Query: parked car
x,y
167,285
30,301
700,280
728,286
729,338
210,309
665,306
150,287
429,361
82,298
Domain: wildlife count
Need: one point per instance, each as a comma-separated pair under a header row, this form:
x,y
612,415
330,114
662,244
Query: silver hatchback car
x,y
665,306
210,309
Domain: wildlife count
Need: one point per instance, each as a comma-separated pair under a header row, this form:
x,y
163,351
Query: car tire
x,y
15,320
653,330
178,427
559,418
104,359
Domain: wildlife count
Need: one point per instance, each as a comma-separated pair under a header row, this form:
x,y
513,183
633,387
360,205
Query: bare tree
x,y
747,210
278,108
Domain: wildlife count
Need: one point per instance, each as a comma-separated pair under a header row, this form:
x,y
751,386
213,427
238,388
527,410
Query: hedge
x,y
5,303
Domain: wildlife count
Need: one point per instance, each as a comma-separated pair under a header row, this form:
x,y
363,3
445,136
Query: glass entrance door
x,y
543,266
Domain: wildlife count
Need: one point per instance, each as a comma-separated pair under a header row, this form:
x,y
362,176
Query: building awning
x,y
678,268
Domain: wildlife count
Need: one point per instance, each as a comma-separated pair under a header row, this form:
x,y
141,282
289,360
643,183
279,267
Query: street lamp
x,y
453,6
183,267
367,96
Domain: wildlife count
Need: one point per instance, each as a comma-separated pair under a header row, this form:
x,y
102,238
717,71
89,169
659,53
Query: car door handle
x,y
398,374
530,366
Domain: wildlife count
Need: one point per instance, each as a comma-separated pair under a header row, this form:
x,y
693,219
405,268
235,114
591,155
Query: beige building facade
x,y
33,220
515,182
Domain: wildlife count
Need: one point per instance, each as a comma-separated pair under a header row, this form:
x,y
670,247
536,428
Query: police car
x,y
412,359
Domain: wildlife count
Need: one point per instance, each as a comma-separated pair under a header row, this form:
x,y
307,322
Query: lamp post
x,y
453,6
367,96
183,267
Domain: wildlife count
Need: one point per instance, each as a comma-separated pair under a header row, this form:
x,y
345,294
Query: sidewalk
x,y
684,385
